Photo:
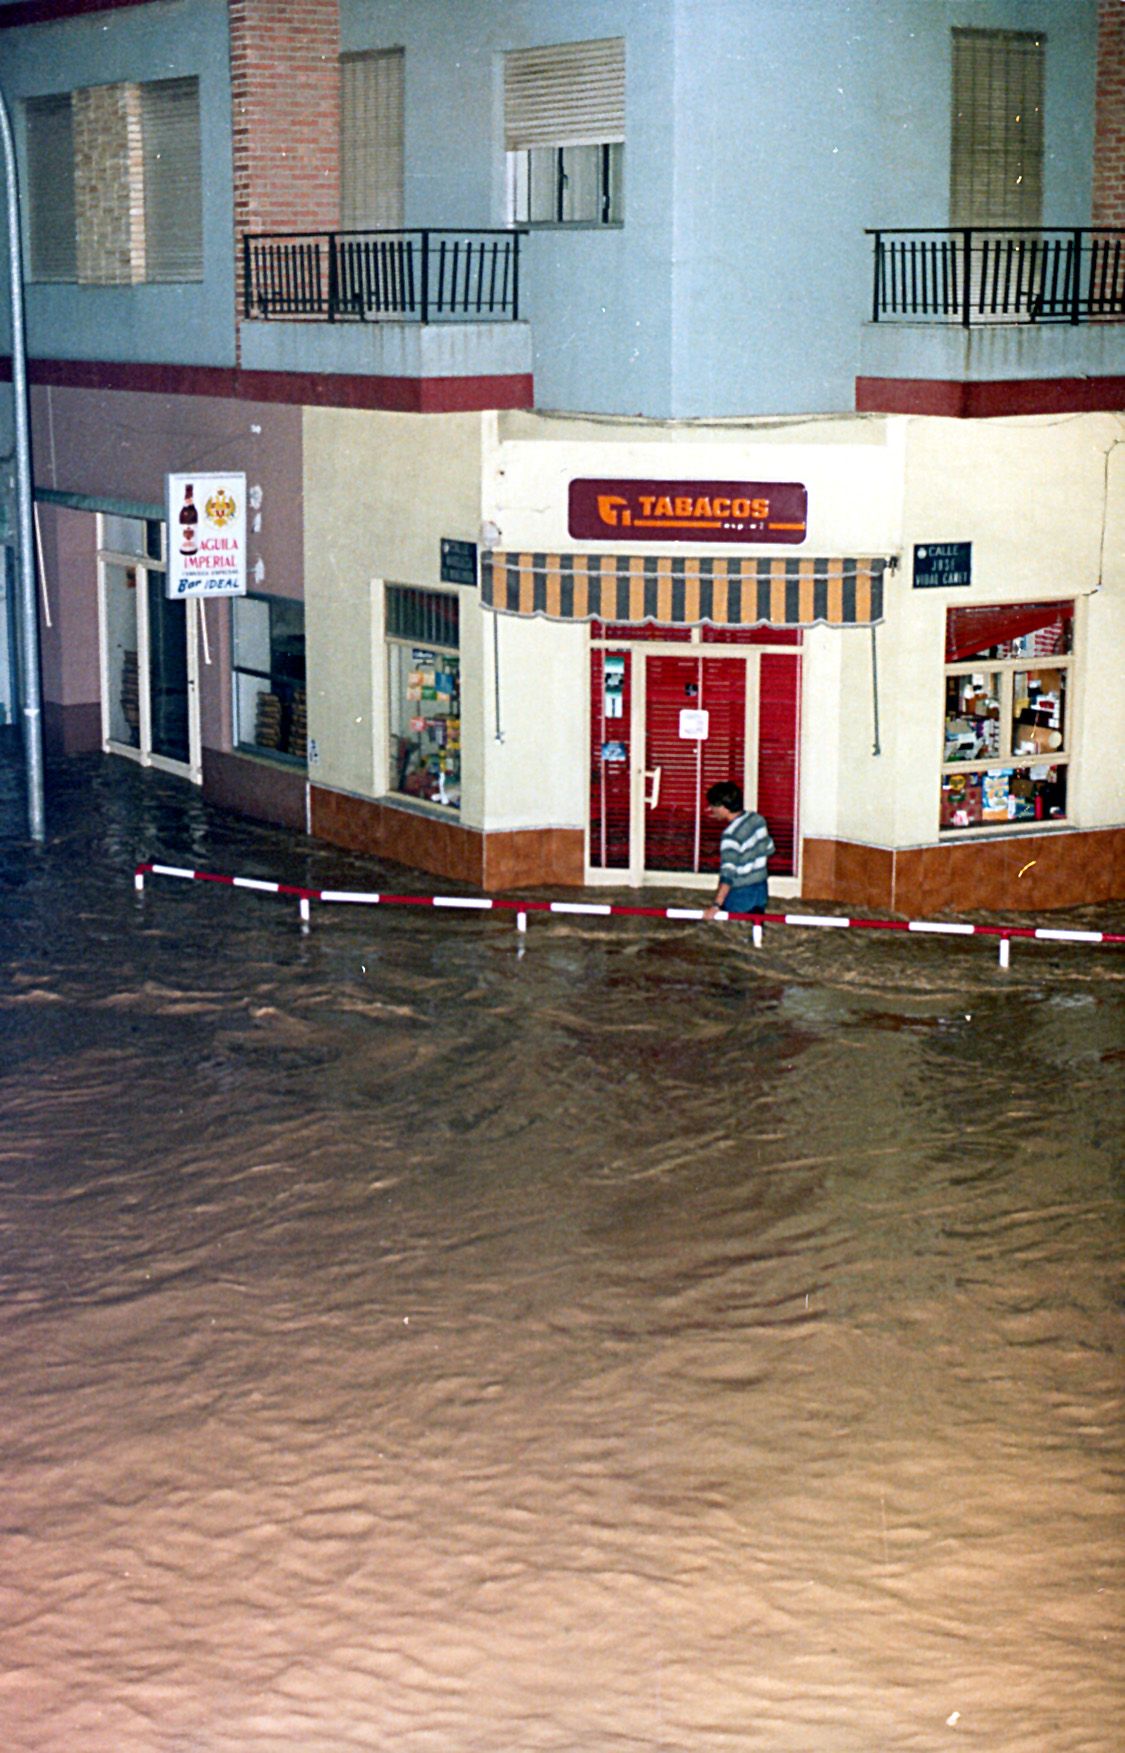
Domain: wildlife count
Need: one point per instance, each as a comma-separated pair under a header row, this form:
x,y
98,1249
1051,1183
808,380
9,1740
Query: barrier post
x,y
521,921
139,881
304,909
757,936
1005,951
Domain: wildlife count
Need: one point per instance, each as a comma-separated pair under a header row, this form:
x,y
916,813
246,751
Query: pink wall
x,y
69,647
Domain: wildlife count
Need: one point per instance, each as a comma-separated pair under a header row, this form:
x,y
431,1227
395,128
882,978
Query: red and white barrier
x,y
608,910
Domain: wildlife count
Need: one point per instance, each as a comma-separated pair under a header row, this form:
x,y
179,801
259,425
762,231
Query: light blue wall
x,y
183,324
799,124
599,299
763,136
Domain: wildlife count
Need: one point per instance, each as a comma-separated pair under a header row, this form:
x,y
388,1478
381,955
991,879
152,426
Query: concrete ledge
x,y
991,351
389,349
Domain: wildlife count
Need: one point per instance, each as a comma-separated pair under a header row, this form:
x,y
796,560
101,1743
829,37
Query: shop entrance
x,y
150,694
668,720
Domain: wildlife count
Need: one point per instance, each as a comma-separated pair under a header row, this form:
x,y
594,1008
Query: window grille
x,y
427,617
371,141
997,133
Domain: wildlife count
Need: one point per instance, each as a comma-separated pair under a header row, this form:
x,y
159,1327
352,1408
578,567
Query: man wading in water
x,y
743,851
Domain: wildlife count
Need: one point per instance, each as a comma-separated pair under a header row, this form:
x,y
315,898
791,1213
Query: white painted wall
x,y
380,492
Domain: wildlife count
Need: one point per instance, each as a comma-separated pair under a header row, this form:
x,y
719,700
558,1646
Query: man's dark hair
x,y
726,795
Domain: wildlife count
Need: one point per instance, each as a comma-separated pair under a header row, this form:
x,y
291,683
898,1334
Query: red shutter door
x,y
678,836
610,683
779,714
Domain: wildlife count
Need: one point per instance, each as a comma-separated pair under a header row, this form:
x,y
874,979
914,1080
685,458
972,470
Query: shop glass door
x,y
150,695
168,673
122,690
611,776
667,725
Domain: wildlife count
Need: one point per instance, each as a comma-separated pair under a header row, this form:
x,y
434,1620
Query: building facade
x,y
628,396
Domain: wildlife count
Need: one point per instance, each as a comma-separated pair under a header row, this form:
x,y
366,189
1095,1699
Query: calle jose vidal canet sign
x,y
689,511
206,535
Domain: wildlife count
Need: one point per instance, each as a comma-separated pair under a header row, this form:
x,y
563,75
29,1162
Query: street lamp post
x,y
29,618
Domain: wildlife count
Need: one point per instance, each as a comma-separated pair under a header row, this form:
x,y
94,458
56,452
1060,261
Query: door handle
x,y
653,773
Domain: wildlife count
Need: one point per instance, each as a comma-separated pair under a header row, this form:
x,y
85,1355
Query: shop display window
x,y
269,677
424,695
1006,735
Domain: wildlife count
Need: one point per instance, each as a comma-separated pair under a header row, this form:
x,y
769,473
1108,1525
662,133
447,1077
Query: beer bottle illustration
x,y
189,518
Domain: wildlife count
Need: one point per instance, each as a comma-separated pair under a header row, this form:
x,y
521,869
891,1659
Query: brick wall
x,y
285,67
109,185
1109,125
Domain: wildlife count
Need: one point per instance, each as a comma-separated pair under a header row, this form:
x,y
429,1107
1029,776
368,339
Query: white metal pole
x,y
29,619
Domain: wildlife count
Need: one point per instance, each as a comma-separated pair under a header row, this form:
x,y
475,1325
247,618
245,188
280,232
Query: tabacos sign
x,y
689,511
206,535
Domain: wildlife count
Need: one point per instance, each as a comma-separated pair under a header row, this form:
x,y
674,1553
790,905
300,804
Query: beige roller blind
x,y
996,175
172,180
52,253
571,94
371,128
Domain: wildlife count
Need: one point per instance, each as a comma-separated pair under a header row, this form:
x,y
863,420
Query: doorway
x,y
668,720
149,691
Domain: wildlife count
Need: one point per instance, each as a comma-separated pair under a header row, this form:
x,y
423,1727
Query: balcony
x,y
398,306
1017,275
1041,307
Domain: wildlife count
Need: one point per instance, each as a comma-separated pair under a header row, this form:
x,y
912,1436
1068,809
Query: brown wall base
x,y
977,400
255,788
1021,872
530,857
72,730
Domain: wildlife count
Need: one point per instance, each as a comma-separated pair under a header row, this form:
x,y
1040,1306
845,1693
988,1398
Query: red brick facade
x,y
1109,120
285,91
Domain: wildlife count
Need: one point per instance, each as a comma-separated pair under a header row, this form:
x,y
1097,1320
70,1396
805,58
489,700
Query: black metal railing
x,y
1012,274
372,276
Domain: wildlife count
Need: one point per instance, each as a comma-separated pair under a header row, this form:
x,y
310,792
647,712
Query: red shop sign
x,y
689,511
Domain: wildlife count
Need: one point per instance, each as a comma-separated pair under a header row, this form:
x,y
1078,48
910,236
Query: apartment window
x,y
52,253
114,184
564,133
997,134
1008,707
424,694
172,196
269,677
371,132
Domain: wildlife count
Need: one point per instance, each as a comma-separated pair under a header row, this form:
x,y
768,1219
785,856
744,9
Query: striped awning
x,y
683,590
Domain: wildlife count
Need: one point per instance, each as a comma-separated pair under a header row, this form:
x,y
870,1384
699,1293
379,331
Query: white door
x,y
149,652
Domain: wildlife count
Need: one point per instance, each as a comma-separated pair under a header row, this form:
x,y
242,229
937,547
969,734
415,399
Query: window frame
x,y
45,222
991,73
1006,669
407,640
562,99
153,190
261,751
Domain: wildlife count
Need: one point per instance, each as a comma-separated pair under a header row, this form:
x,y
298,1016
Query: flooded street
x,y
643,1343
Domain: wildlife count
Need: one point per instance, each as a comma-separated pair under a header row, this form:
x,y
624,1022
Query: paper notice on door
x,y
695,724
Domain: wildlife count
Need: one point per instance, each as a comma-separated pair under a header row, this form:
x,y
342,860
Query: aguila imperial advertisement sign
x,y
689,511
206,535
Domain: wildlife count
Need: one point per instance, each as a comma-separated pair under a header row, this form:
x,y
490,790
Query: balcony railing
x,y
1014,274
383,276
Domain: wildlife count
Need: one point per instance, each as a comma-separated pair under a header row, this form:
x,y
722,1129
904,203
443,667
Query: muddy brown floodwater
x,y
645,1343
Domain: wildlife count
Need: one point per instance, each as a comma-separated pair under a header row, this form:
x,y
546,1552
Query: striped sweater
x,y
743,851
